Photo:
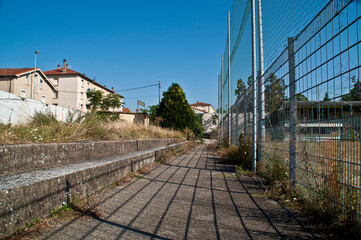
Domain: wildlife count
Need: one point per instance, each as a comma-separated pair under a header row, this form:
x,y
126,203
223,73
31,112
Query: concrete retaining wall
x,y
22,204
27,157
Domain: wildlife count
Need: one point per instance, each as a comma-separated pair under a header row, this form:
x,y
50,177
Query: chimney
x,y
64,66
58,66
112,89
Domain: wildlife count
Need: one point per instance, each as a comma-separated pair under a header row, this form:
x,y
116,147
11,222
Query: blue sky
x,y
124,43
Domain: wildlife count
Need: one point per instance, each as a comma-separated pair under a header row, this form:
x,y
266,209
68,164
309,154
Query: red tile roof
x,y
126,110
200,104
60,72
14,71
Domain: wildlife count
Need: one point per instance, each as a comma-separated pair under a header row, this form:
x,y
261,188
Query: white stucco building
x,y
205,107
72,87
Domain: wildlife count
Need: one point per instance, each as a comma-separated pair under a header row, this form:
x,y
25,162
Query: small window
x,y
27,80
41,83
55,94
23,93
56,81
82,83
43,99
82,96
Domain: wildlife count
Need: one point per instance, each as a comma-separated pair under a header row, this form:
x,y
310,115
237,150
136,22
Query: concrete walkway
x,y
192,197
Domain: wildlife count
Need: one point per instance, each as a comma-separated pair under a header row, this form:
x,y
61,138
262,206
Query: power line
x,y
129,89
143,97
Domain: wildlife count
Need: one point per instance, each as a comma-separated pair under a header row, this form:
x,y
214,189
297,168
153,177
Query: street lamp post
x,y
33,78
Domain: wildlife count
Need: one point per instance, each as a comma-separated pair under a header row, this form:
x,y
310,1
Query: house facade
x,y
205,107
72,87
28,83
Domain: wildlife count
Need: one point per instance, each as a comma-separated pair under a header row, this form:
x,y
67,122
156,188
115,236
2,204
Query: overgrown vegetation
x,y
324,195
240,155
44,128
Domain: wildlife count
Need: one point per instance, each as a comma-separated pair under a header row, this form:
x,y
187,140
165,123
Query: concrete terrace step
x,y
26,157
34,193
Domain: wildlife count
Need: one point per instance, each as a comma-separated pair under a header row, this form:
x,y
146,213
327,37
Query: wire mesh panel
x,y
312,93
328,106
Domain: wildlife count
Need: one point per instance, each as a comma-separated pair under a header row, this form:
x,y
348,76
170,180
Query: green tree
x,y
326,98
112,100
95,99
98,101
241,87
176,113
355,93
250,80
274,93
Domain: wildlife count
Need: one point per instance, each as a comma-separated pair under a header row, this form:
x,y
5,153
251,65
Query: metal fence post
x,y
254,87
237,115
229,80
219,107
245,115
293,109
261,87
222,124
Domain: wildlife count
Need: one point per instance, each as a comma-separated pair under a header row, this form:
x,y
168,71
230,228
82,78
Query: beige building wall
x,y
5,83
73,89
21,86
67,92
135,118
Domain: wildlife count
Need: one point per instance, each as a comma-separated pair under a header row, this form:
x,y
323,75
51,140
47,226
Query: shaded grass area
x,y
89,205
44,128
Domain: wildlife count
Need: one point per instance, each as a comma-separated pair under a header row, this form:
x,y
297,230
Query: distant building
x,y
126,110
209,116
72,87
205,107
28,83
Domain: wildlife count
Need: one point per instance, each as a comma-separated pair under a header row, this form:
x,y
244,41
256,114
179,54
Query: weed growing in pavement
x,y
176,151
240,155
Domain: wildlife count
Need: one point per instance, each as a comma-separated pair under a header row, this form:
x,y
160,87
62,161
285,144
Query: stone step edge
x,y
24,202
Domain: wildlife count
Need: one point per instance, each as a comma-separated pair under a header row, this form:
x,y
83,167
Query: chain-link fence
x,y
306,105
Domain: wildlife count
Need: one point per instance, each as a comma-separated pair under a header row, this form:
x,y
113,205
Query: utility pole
x,y
32,86
159,91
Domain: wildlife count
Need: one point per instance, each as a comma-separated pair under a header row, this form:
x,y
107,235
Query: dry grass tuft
x,y
44,128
